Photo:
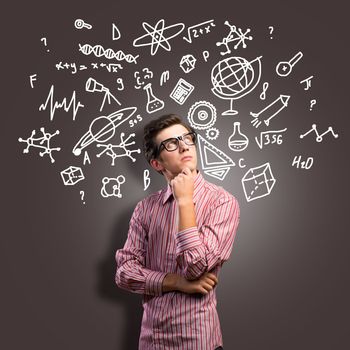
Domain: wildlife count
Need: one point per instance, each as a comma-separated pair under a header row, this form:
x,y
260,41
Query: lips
x,y
186,158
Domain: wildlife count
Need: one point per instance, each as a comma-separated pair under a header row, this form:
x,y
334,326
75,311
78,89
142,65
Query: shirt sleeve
x,y
200,249
131,273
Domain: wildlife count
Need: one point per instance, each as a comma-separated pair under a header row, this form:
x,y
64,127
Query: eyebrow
x,y
175,137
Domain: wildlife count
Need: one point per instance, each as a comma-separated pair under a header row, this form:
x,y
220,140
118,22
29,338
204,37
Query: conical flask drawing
x,y
153,103
237,141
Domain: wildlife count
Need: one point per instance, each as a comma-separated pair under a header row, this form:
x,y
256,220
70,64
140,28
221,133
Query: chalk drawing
x,y
202,115
235,35
237,141
158,36
235,77
32,79
181,91
265,87
312,103
197,30
319,137
72,104
45,43
164,77
86,158
154,104
115,32
271,30
284,68
94,86
111,186
146,179
74,67
212,134
214,162
99,51
307,82
270,137
42,142
271,110
258,182
120,150
80,24
303,164
142,77
103,128
72,175
188,63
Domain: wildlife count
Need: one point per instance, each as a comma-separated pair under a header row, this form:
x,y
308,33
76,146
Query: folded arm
x,y
200,249
131,272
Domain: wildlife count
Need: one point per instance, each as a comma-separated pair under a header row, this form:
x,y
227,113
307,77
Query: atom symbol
x,y
156,33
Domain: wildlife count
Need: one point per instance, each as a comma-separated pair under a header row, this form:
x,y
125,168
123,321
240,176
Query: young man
x,y
177,242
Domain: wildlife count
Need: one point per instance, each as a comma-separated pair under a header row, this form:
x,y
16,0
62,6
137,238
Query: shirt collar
x,y
198,188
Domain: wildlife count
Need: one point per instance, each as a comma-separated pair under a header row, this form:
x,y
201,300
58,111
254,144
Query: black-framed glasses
x,y
172,144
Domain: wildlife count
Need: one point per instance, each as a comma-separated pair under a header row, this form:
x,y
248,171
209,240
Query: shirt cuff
x,y
154,282
187,239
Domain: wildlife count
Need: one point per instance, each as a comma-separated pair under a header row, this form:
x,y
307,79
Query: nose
x,y
183,146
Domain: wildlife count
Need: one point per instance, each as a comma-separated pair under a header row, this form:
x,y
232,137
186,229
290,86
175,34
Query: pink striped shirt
x,y
154,247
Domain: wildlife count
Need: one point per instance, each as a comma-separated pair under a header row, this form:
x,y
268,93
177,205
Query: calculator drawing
x,y
181,91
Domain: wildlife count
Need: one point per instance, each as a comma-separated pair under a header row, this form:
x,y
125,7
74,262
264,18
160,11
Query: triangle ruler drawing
x,y
215,163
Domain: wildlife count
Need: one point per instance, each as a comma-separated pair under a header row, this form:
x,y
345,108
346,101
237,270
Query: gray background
x,y
286,285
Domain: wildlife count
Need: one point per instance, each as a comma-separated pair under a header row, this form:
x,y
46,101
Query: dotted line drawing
x,y
319,137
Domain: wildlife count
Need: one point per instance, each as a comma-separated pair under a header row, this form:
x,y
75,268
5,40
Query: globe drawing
x,y
235,77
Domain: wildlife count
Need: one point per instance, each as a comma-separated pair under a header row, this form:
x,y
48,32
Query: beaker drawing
x,y
237,141
153,103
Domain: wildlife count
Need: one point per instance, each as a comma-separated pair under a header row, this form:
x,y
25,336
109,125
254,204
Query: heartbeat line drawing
x,y
319,137
55,104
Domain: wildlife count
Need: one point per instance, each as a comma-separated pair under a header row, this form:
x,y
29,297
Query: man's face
x,y
172,163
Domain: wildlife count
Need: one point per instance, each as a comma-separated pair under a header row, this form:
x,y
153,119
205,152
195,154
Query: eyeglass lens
x,y
173,143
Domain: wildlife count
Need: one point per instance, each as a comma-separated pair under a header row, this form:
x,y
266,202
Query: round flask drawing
x,y
237,141
153,103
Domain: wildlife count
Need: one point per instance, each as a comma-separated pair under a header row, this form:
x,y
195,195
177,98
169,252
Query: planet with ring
x,y
103,128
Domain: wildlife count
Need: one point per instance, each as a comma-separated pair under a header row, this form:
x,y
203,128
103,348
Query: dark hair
x,y
151,130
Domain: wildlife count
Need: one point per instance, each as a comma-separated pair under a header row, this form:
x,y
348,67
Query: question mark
x,y
45,43
82,196
312,103
271,30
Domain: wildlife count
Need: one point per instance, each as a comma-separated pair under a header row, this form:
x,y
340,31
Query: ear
x,y
156,165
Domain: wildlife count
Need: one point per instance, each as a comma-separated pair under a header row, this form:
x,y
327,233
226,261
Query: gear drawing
x,y
202,115
212,134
